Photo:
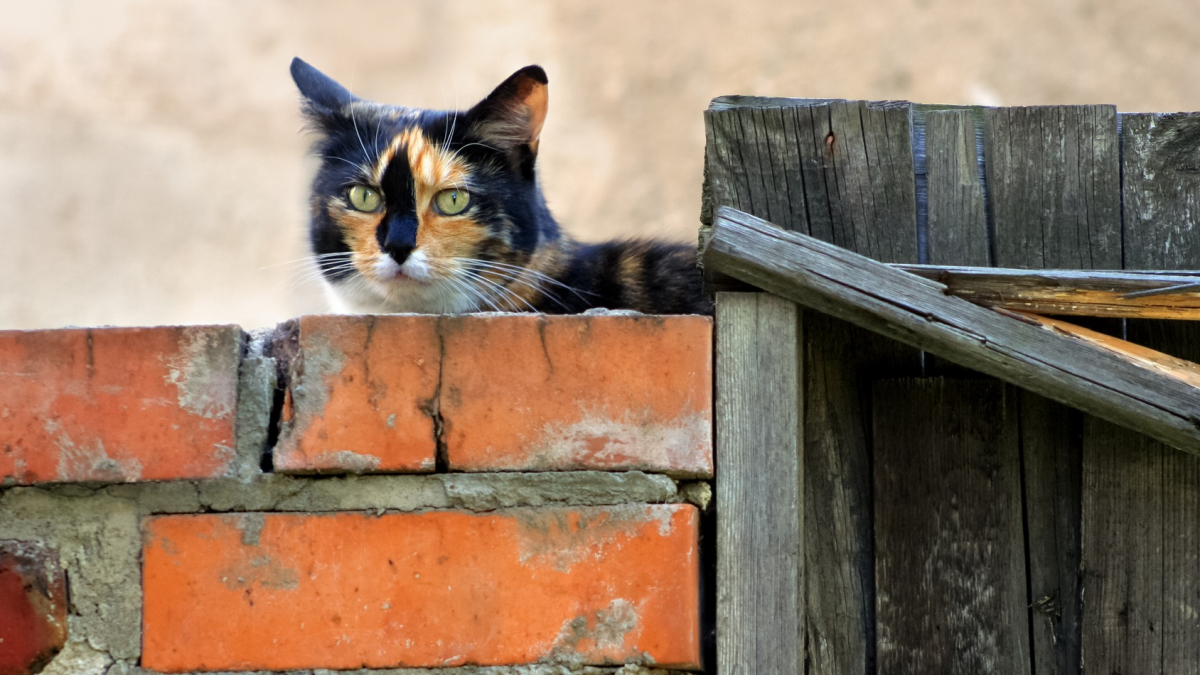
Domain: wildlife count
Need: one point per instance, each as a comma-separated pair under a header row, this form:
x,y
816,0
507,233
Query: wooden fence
x,y
883,510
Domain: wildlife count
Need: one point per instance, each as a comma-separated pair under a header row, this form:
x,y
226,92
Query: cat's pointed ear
x,y
512,115
322,95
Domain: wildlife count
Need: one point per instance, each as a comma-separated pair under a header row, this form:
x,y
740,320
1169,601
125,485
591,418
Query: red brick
x,y
118,404
346,590
33,607
362,394
537,393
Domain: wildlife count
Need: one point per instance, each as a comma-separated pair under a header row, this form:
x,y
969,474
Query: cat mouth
x,y
386,271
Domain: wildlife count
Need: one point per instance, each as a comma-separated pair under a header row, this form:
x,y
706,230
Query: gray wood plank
x,y
1180,498
1053,177
759,476
948,528
1122,551
754,160
866,185
956,229
957,223
871,163
1161,191
1142,565
1093,375
841,362
1051,458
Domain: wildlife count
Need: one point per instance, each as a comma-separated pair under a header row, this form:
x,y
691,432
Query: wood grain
x,y
1053,177
1053,173
957,220
1141,501
1071,292
760,527
948,521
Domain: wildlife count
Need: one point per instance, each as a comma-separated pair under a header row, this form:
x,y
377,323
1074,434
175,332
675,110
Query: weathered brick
x,y
33,607
361,397
538,393
443,588
118,404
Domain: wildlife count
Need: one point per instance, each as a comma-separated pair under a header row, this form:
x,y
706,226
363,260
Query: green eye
x,y
452,202
363,198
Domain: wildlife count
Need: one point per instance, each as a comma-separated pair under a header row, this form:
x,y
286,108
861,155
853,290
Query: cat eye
x,y
452,202
363,198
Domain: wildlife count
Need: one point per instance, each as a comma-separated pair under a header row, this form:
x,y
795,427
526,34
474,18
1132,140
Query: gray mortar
x,y
256,393
484,492
99,546
468,491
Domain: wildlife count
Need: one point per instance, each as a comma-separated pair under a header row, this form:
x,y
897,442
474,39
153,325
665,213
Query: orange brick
x,y
118,404
362,394
346,590
539,393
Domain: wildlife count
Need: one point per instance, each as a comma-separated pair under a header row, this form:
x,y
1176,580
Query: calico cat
x,y
440,212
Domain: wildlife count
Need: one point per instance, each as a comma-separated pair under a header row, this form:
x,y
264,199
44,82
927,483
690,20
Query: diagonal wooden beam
x,y
1129,385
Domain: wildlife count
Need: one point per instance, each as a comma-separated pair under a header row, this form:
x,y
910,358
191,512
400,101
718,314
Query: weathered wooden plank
x,y
855,171
979,602
1173,367
1112,294
1053,181
1051,449
957,221
956,230
841,362
950,563
862,176
1180,520
757,158
1143,567
760,575
1161,191
1053,175
1122,551
917,312
872,167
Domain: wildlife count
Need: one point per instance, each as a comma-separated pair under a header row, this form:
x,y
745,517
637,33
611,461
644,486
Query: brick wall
x,y
492,493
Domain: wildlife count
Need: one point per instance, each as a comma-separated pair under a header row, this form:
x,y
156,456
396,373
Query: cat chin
x,y
353,297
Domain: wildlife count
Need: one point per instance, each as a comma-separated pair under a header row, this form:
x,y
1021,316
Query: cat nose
x,y
398,251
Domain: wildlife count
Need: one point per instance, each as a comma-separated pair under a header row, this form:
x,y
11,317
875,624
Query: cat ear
x,y
322,96
512,115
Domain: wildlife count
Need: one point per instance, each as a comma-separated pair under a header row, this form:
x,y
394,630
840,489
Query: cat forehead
x,y
430,161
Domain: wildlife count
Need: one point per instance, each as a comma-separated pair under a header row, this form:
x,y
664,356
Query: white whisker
x,y
342,159
526,272
366,155
511,294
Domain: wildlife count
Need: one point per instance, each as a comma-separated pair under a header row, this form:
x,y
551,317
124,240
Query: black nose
x,y
399,252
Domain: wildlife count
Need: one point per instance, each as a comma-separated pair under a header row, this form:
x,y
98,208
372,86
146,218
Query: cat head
x,y
419,210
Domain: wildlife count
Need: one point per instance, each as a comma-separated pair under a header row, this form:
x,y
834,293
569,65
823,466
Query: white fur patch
x,y
400,296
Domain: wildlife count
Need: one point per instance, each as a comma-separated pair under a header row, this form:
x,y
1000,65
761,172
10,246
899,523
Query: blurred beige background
x,y
152,169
